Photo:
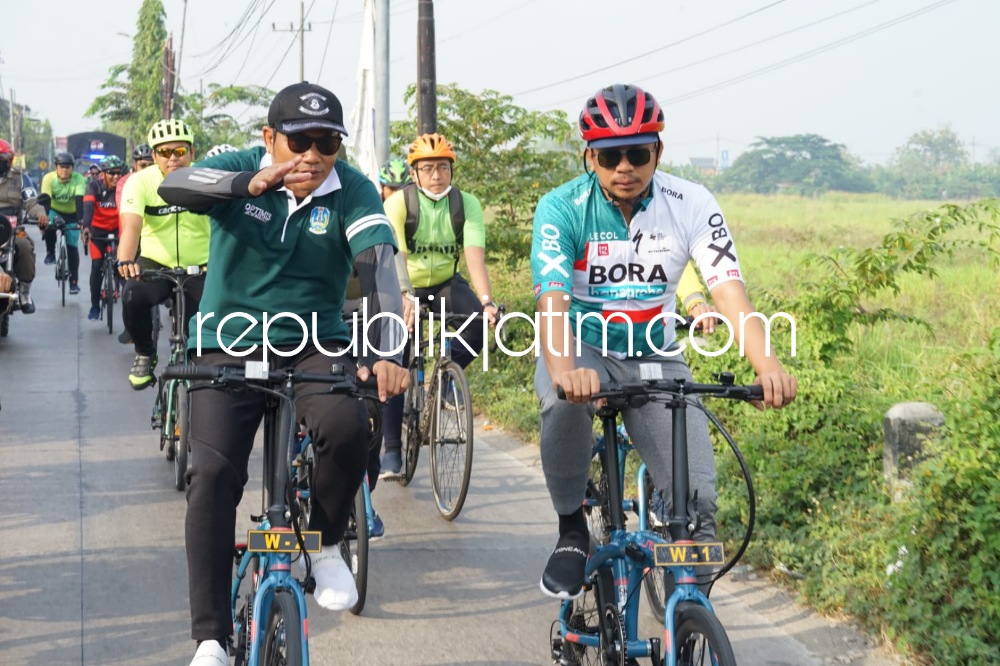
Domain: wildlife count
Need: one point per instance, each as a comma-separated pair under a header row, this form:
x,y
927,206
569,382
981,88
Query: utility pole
x,y
302,30
180,53
382,80
167,93
426,71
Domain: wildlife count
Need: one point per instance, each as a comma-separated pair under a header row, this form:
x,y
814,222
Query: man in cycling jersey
x,y
66,188
421,216
171,237
614,242
100,218
17,194
142,157
289,220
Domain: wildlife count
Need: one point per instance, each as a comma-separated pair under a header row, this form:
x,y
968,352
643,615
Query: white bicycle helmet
x,y
219,149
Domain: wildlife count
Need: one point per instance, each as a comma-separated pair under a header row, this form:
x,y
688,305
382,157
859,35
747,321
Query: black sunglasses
x,y
300,142
609,159
114,172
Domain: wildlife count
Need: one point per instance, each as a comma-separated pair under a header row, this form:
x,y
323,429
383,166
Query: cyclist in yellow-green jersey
x,y
171,236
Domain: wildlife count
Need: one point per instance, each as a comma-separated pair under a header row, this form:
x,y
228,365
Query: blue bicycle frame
x,y
629,555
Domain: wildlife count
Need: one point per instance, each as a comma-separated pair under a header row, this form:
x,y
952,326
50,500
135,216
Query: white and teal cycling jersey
x,y
622,277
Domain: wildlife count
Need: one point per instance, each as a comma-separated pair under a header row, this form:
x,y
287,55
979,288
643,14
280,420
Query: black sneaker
x,y
563,575
141,375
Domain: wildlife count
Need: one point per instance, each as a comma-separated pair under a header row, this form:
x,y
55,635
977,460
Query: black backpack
x,y
455,206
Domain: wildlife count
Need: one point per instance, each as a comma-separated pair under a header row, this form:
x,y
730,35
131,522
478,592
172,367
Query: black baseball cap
x,y
305,106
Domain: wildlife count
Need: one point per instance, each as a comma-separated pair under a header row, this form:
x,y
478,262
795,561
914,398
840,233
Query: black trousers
x,y
223,425
140,296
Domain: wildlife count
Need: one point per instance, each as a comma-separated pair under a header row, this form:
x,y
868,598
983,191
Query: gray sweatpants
x,y
567,440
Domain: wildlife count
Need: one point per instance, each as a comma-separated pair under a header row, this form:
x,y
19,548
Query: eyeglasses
x,y
114,173
428,169
179,151
327,144
609,159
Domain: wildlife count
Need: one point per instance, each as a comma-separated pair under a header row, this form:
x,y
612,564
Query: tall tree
x,y
803,164
507,156
134,92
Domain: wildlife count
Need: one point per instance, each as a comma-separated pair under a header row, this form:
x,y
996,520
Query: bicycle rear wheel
x,y
658,582
700,639
585,618
181,426
451,441
354,549
108,297
411,431
283,640
62,270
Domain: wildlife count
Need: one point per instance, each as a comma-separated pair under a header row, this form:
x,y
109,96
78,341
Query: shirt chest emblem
x,y
319,220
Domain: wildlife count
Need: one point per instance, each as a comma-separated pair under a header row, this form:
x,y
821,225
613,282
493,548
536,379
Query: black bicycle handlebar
x,y
220,374
175,275
677,387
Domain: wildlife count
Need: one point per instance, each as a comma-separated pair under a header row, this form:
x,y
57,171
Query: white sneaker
x,y
335,587
210,653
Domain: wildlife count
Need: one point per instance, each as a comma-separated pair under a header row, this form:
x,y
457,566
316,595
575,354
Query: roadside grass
x,y
775,235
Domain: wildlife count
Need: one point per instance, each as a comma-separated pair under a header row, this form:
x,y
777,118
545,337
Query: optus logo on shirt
x,y
319,220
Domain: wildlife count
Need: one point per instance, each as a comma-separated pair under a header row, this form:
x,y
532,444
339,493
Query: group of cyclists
x,y
288,227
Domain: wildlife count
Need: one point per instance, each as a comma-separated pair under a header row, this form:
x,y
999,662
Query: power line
x,y
736,50
808,54
656,50
319,77
485,22
253,38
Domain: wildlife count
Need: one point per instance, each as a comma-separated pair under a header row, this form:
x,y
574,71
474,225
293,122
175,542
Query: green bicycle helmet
x,y
395,174
111,162
164,131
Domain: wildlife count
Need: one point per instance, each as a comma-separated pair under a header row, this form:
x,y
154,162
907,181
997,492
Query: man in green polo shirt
x,y
289,222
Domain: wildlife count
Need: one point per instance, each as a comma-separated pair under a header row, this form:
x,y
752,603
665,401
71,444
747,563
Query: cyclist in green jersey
x,y
171,237
66,188
432,238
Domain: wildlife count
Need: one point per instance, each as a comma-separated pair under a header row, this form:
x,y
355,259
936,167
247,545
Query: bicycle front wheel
x,y
354,549
700,639
451,440
181,426
411,431
283,640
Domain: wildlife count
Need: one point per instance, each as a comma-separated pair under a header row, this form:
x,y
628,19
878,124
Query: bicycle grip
x,y
207,372
755,392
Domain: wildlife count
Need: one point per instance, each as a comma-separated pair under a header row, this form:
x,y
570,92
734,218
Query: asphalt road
x,y
92,567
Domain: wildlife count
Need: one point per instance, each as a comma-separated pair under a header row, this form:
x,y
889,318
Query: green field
x,y
775,235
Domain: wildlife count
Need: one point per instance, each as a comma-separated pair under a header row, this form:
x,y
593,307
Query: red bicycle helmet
x,y
6,148
620,114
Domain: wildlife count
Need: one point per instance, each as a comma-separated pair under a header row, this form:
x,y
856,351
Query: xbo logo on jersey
x,y
719,232
551,254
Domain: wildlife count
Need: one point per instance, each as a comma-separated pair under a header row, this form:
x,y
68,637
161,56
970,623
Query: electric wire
x,y
808,54
656,50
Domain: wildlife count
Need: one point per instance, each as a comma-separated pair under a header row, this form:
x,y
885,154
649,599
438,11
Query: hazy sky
x,y
864,73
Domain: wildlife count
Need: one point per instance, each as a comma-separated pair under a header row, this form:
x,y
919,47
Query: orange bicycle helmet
x,y
430,146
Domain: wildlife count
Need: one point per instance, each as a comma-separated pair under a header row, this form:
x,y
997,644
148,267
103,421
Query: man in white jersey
x,y
616,240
